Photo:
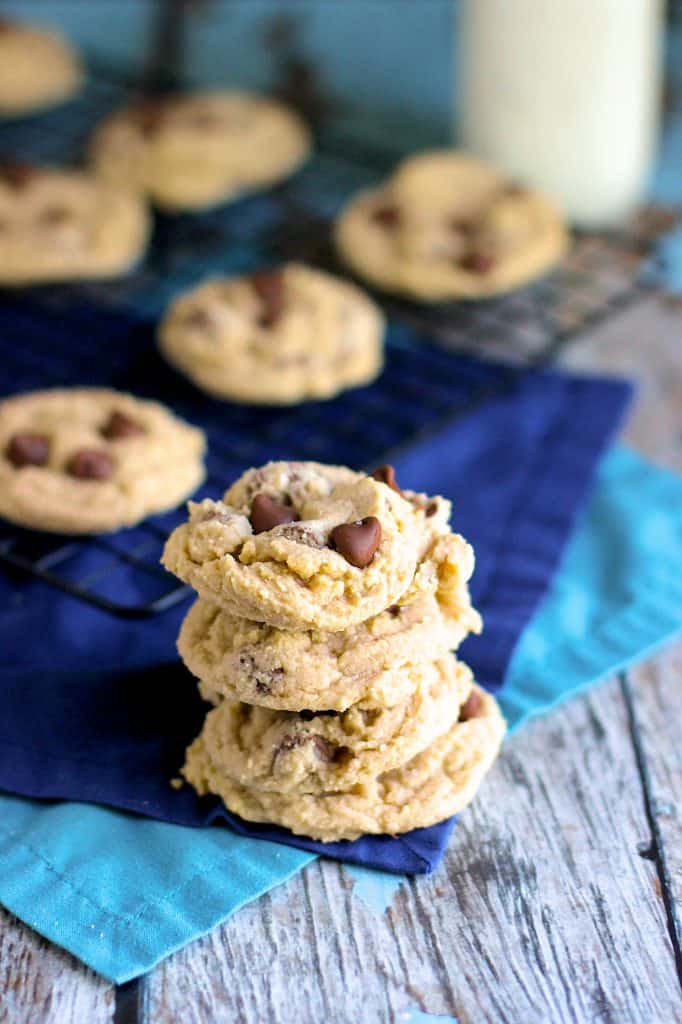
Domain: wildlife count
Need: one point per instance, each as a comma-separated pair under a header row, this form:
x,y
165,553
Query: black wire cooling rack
x,y
102,333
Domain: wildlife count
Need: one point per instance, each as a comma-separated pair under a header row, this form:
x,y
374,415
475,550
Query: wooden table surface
x,y
558,900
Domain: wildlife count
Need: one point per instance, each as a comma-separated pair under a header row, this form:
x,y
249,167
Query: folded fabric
x,y
122,892
99,710
100,713
618,595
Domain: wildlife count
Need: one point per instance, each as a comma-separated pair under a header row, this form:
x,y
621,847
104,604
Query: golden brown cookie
x,y
38,68
300,545
449,226
278,337
432,786
317,752
91,460
294,670
62,225
193,151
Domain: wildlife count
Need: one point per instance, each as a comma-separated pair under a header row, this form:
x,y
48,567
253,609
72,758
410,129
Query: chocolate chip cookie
x,y
38,69
294,670
281,336
193,151
315,752
435,784
448,226
91,460
299,545
61,225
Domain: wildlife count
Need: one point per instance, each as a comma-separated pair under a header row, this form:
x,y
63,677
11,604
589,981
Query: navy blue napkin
x,y
98,709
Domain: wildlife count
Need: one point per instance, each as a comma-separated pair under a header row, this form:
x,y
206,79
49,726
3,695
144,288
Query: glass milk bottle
x,y
565,95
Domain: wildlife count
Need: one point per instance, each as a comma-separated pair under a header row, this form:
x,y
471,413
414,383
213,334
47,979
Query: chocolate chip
x,y
119,426
386,475
17,173
264,679
462,227
90,464
207,119
290,742
471,707
358,542
387,216
28,450
323,748
55,215
149,116
266,514
197,319
394,611
477,262
304,533
431,509
269,287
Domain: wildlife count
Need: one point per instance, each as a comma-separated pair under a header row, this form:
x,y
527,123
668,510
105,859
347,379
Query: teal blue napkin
x,y
130,891
618,595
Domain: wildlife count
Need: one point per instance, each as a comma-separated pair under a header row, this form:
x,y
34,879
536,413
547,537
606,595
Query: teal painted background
x,y
389,62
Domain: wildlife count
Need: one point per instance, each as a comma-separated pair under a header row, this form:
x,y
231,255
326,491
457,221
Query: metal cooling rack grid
x,y
422,386
49,339
294,219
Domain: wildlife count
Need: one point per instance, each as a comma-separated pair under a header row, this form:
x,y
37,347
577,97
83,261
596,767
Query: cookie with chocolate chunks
x,y
449,226
302,670
195,150
59,224
284,752
356,547
92,460
278,337
436,783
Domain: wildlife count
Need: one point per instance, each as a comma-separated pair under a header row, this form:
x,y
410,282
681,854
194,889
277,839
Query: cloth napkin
x,y
100,711
122,892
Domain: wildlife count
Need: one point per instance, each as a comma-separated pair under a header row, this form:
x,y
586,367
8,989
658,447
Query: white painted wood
x,y
41,984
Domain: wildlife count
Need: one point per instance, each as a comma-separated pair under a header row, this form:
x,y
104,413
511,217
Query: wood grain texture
x,y
543,911
657,704
644,343
41,984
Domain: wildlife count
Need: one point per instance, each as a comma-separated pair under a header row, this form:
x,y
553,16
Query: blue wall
x,y
388,61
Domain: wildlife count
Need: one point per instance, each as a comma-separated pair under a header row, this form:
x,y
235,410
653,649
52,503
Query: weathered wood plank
x,y
643,343
544,910
656,689
41,984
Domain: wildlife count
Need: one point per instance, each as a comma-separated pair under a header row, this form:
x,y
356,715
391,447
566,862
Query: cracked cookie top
x,y
301,545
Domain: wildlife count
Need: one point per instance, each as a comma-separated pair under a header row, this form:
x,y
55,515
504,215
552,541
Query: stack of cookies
x,y
329,604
